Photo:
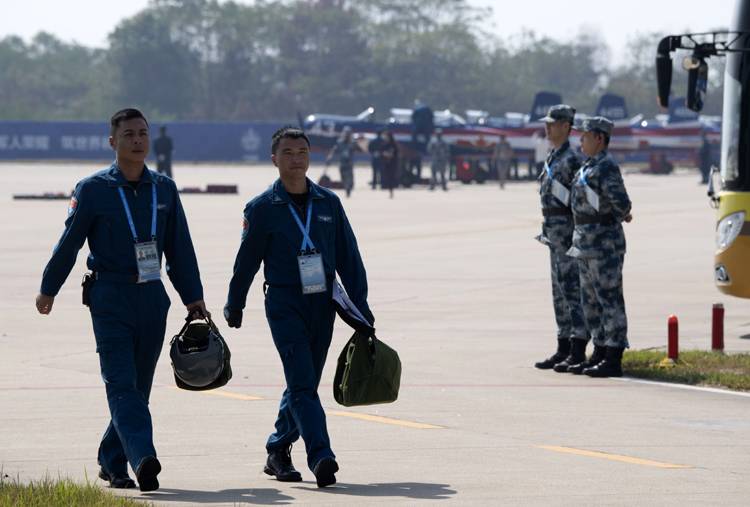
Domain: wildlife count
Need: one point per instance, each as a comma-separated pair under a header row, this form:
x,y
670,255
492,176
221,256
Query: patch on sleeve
x,y
245,227
72,206
325,218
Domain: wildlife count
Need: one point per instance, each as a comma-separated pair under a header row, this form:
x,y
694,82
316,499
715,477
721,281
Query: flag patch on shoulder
x,y
72,206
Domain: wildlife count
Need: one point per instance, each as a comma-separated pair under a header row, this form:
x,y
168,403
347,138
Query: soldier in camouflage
x,y
344,149
600,204
440,153
557,232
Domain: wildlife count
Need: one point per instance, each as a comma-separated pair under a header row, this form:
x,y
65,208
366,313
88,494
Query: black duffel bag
x,y
200,356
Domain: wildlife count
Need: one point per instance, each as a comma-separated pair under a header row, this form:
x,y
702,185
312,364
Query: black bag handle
x,y
189,319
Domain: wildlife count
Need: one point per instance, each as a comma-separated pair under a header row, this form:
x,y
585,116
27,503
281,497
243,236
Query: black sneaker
x,y
146,474
279,464
325,472
123,482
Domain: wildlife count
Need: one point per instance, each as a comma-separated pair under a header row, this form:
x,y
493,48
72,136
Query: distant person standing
x,y
440,153
557,233
600,204
502,157
541,149
705,157
423,125
163,147
390,175
344,149
376,158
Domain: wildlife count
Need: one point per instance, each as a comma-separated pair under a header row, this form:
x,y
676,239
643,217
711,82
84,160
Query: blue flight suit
x,y
301,325
129,318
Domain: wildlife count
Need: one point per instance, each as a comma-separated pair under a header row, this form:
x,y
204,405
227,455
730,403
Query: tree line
x,y
205,60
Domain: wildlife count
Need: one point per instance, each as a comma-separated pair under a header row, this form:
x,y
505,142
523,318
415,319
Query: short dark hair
x,y
605,137
289,132
124,115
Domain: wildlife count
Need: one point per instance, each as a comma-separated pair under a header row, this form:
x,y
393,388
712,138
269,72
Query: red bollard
x,y
672,338
717,328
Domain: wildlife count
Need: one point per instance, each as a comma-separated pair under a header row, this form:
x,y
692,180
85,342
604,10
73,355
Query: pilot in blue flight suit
x,y
130,217
301,234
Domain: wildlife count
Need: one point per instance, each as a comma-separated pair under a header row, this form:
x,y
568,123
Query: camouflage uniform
x,y
344,150
557,233
440,153
599,247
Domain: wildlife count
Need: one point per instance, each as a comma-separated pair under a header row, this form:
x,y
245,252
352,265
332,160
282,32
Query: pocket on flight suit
x,y
166,302
106,304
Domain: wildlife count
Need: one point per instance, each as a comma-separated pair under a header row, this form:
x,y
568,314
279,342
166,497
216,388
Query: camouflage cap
x,y
598,123
560,112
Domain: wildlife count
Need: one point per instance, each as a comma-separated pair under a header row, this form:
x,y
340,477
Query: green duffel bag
x,y
368,372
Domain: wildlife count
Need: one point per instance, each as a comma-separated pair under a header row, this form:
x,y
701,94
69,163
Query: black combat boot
x,y
279,464
577,355
119,482
325,472
610,367
596,358
563,348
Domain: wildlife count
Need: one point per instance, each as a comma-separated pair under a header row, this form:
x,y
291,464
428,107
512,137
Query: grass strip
x,y
51,492
694,367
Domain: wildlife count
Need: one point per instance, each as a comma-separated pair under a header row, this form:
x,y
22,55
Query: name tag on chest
x,y
311,273
147,259
561,193
592,198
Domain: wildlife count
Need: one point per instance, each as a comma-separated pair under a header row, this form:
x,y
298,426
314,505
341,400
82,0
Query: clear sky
x,y
89,21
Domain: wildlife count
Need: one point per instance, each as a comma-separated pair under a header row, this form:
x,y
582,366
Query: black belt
x,y
114,277
607,219
556,212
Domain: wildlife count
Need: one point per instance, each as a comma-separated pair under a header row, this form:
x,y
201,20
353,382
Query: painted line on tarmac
x,y
339,413
683,386
228,394
385,420
612,457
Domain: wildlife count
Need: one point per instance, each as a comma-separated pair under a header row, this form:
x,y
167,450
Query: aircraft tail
x,y
613,107
542,102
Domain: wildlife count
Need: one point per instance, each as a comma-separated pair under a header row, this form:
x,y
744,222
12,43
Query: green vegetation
x,y
695,367
49,492
269,60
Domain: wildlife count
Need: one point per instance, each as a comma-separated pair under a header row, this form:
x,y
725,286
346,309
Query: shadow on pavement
x,y
416,490
259,496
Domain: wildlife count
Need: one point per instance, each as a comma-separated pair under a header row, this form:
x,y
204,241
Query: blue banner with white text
x,y
193,141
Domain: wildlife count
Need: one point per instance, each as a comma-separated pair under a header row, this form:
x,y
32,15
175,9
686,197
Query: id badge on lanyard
x,y
147,257
591,197
310,262
559,191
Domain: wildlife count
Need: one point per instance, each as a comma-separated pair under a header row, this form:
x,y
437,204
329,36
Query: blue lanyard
x,y
582,177
548,166
130,217
307,243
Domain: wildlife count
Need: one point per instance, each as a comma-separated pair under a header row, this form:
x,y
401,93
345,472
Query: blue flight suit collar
x,y
279,195
115,178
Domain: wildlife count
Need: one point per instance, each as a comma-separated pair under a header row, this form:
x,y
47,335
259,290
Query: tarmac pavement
x,y
461,289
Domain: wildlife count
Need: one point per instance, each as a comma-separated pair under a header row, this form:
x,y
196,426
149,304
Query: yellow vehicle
x,y
729,187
